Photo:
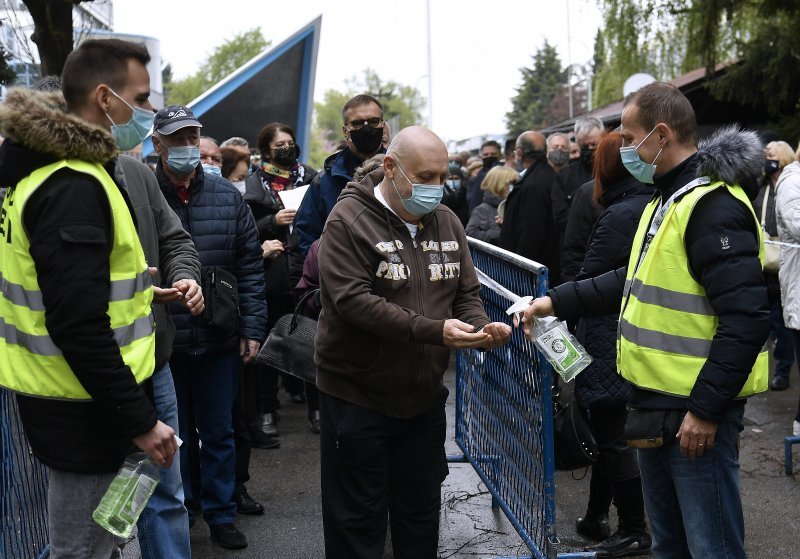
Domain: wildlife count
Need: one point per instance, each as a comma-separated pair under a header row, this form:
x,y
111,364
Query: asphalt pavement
x,y
286,481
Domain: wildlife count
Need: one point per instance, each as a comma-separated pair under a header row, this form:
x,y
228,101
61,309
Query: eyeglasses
x,y
374,122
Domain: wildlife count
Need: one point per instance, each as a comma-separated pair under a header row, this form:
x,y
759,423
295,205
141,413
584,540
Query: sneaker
x,y
227,536
796,428
779,383
593,527
245,504
269,424
623,544
313,421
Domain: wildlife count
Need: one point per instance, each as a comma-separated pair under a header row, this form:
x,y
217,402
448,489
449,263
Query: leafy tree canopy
x,y
225,58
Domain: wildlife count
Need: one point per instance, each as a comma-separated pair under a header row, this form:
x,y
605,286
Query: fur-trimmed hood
x,y
39,121
734,156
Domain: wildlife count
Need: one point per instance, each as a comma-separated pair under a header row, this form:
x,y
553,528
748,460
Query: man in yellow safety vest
x,y
694,318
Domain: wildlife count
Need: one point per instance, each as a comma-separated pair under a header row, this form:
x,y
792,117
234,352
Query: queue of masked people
x,y
134,301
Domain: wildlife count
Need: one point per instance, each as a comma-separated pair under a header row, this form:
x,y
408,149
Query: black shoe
x,y
298,398
313,421
269,424
593,527
623,544
259,440
227,536
245,504
779,383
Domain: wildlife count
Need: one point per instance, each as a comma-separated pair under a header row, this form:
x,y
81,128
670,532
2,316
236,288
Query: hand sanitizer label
x,y
558,348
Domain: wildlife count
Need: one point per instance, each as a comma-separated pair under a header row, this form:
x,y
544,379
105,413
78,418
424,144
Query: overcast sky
x,y
477,46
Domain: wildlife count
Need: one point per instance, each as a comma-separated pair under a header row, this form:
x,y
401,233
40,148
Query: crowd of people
x,y
641,218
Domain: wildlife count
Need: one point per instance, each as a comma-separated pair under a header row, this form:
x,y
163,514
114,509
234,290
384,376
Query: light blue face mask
x,y
424,197
213,169
183,159
640,170
455,184
133,132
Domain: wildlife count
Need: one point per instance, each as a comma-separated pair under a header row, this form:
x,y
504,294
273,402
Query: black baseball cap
x,y
174,117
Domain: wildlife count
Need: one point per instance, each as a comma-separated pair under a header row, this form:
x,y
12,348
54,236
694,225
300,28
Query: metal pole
x,y
569,63
430,68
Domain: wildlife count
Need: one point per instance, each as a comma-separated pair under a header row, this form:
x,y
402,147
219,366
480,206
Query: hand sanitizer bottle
x,y
126,497
560,348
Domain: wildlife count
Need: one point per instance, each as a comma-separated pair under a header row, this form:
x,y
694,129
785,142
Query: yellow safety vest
x,y
30,362
666,322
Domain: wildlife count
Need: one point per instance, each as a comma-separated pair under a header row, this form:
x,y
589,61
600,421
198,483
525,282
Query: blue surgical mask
x,y
641,171
133,132
213,169
183,159
424,197
455,184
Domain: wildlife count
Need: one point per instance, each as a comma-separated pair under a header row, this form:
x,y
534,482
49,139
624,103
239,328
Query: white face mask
x,y
239,186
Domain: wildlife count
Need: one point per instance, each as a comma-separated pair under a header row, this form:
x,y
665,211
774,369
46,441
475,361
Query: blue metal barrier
x,y
23,489
504,410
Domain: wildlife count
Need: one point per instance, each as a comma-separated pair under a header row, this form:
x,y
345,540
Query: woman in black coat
x,y
600,389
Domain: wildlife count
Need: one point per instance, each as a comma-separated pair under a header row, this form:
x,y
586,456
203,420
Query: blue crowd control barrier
x,y
504,412
23,489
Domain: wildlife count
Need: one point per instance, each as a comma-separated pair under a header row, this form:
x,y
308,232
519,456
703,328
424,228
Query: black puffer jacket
x,y
600,385
224,234
482,224
583,214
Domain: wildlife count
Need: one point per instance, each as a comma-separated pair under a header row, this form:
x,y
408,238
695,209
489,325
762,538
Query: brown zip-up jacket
x,y
385,298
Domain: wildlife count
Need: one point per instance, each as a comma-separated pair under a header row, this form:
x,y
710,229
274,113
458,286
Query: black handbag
x,y
573,439
221,295
290,345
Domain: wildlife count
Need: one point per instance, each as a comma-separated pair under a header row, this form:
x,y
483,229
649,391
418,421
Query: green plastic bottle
x,y
560,348
126,497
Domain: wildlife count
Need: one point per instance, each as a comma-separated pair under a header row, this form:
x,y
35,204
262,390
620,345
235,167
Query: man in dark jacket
x,y
207,357
567,181
84,392
583,214
398,283
527,222
490,154
363,127
701,353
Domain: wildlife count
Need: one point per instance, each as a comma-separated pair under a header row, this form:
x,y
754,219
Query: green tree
x,y
533,105
7,74
226,58
52,32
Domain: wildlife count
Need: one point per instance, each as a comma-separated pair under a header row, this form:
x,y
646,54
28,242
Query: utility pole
x,y
430,65
569,63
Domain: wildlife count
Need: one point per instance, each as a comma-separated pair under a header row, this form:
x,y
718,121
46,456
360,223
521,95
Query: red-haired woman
x,y
600,389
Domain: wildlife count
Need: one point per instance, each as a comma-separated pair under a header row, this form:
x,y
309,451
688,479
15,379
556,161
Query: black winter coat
x,y
224,234
567,181
265,204
528,228
583,214
482,224
732,278
600,385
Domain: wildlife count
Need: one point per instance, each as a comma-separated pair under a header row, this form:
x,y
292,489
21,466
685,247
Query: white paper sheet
x,y
291,198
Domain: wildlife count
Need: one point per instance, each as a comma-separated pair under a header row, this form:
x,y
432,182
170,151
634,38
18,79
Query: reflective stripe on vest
x,y
666,323
30,362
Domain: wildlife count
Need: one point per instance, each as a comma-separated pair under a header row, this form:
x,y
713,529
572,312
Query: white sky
x,y
477,46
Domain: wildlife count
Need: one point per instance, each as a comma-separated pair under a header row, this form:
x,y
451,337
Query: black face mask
x,y
489,162
770,166
367,140
285,155
587,156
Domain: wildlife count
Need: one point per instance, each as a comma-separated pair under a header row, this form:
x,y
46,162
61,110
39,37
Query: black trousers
x,y
372,465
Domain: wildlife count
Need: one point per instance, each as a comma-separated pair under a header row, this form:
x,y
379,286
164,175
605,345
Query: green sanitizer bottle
x,y
560,348
126,497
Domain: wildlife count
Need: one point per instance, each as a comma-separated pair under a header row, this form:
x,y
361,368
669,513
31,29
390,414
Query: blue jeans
x,y
206,388
164,524
784,340
694,506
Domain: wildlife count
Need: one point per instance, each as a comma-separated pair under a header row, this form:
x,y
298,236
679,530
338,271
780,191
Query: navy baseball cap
x,y
174,117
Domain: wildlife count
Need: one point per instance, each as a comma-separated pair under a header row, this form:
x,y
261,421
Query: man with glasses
x,y
363,128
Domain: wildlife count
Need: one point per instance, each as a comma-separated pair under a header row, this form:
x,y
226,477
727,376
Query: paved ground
x,y
287,482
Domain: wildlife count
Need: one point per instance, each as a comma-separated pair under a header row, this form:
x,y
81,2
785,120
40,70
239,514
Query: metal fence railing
x,y
504,411
23,489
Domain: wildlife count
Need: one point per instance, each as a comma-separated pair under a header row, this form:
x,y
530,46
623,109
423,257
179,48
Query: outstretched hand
x,y
543,306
